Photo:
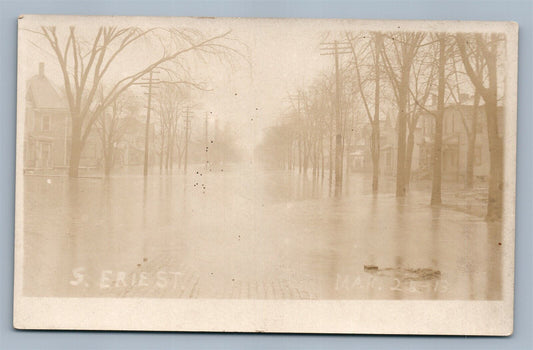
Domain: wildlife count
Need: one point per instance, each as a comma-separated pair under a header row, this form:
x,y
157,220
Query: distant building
x,y
457,116
457,125
47,129
130,149
360,156
46,132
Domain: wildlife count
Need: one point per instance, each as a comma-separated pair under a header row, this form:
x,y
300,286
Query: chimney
x,y
41,70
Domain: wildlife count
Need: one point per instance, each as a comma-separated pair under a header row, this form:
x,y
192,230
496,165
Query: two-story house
x,y
47,130
46,133
458,128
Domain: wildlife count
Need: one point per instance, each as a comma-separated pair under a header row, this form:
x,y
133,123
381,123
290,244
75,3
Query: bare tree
x,y
111,127
436,184
471,134
422,82
312,123
470,119
86,63
175,112
440,47
171,101
398,59
373,117
485,48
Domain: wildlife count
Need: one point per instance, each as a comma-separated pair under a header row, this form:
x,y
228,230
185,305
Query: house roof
x,y
42,94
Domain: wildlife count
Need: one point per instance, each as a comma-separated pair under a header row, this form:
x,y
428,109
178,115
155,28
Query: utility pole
x,y
206,141
294,135
335,48
298,135
149,84
147,131
65,158
187,133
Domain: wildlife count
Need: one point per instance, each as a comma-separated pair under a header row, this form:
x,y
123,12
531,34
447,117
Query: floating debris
x,y
371,268
404,273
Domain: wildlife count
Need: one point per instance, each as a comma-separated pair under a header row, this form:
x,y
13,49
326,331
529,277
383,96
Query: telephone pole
x,y
147,131
336,48
149,83
298,132
187,136
206,141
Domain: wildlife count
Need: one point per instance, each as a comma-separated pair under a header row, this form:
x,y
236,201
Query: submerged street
x,y
244,232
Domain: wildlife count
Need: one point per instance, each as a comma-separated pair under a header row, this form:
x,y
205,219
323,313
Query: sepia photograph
x,y
265,175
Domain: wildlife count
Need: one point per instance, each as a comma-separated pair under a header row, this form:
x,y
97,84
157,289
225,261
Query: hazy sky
x,y
280,56
254,95
250,94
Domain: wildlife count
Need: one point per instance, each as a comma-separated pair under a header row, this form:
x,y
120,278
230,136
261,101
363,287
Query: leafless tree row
x,y
405,73
89,62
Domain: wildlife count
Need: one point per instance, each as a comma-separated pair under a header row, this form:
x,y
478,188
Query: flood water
x,y
249,233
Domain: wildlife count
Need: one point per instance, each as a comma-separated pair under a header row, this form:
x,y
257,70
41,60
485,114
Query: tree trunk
x,y
470,156
186,151
339,143
314,160
322,157
494,207
439,118
317,160
471,153
488,51
306,158
400,159
375,149
171,156
330,161
346,156
495,199
409,156
376,145
406,54
76,148
403,92
108,161
288,153
161,152
437,163
299,154
167,158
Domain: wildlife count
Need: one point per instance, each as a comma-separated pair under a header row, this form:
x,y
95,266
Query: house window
x,y
45,123
35,122
46,155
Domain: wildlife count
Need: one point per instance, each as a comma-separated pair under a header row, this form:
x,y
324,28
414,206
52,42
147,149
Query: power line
x,y
188,117
149,85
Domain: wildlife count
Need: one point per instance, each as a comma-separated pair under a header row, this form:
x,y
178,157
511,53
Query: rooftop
x,y
42,93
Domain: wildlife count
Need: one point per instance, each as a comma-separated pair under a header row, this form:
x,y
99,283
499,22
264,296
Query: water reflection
x,y
433,252
245,233
494,260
